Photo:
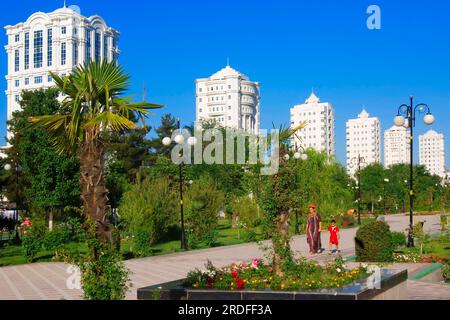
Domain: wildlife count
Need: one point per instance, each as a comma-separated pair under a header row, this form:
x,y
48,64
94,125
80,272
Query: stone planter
x,y
389,285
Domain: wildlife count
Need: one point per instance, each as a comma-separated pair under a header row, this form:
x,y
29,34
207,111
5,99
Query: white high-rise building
x,y
57,42
432,153
230,99
319,133
363,139
397,147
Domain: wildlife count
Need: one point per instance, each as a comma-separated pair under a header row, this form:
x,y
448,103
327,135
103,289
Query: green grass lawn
x,y
13,254
439,246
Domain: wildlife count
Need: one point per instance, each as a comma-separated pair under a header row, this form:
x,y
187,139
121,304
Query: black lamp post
x,y
17,169
358,162
406,117
179,139
297,156
386,181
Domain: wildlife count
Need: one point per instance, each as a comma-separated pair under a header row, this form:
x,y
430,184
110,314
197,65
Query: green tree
x,y
50,180
93,105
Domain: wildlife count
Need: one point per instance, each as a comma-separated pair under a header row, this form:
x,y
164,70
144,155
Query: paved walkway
x,y
48,280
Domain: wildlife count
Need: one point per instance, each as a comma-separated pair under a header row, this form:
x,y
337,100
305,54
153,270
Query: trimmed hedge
x,y
373,243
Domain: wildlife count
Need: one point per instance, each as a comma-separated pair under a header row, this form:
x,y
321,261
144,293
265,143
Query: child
x,y
334,236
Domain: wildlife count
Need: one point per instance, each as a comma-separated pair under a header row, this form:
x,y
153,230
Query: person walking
x,y
313,230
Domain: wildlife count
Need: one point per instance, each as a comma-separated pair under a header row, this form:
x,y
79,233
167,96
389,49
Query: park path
x,y
49,280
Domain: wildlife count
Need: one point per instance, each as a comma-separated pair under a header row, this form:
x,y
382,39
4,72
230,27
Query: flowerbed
x,y
412,257
298,275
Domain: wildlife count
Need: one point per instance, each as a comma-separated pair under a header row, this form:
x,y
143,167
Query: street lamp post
x,y
297,156
179,139
386,181
358,161
406,117
17,169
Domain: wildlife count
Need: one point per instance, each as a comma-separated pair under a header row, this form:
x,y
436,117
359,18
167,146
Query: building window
x,y
27,81
63,30
88,45
105,47
199,89
49,78
16,60
75,53
27,51
38,41
63,53
200,110
17,98
17,83
75,31
38,80
49,47
17,38
97,45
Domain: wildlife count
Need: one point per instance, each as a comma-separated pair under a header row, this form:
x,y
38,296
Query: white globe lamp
x,y
399,121
179,139
429,119
166,141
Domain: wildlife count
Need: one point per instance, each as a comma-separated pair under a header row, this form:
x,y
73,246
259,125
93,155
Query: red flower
x,y
234,274
271,270
210,282
239,284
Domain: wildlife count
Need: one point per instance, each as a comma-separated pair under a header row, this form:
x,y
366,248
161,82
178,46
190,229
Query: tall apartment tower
x,y
397,149
319,133
57,42
432,153
230,99
363,139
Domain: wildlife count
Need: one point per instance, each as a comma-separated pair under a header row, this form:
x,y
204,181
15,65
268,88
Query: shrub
x,y
142,243
398,239
203,202
247,211
33,239
374,243
444,222
56,238
446,273
149,209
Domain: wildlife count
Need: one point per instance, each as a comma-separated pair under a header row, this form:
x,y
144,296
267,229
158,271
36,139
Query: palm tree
x,y
93,106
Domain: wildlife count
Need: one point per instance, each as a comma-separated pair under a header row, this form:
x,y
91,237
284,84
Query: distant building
x,y
230,99
396,146
432,153
363,139
57,42
319,133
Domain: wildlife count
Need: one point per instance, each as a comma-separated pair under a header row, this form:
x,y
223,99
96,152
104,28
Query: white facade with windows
x,y
363,139
432,153
397,149
319,133
230,99
56,42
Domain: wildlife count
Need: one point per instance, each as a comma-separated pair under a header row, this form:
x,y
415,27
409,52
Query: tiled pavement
x,y
48,280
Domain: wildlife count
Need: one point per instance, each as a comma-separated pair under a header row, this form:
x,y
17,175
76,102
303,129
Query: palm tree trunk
x,y
93,188
280,242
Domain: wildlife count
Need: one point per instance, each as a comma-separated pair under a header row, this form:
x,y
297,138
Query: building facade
x,y
230,99
432,153
319,133
397,149
363,139
57,42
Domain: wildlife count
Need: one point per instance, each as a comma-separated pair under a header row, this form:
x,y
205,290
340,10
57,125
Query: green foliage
x,y
444,222
32,240
56,239
248,211
203,202
142,243
420,235
446,273
149,209
398,239
374,243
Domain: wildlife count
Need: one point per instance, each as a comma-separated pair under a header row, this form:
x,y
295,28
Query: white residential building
x,y
230,99
363,139
319,133
57,42
397,149
432,153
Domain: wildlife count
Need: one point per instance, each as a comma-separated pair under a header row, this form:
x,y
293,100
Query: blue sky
x,y
288,46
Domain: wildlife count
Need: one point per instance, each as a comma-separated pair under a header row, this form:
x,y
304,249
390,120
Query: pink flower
x,y
255,263
271,270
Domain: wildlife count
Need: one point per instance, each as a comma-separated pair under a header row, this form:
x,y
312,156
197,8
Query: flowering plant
x,y
299,275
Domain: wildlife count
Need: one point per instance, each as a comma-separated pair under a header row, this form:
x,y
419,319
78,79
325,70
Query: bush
x,y
149,209
374,243
203,202
444,222
398,239
56,238
247,211
142,243
33,239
